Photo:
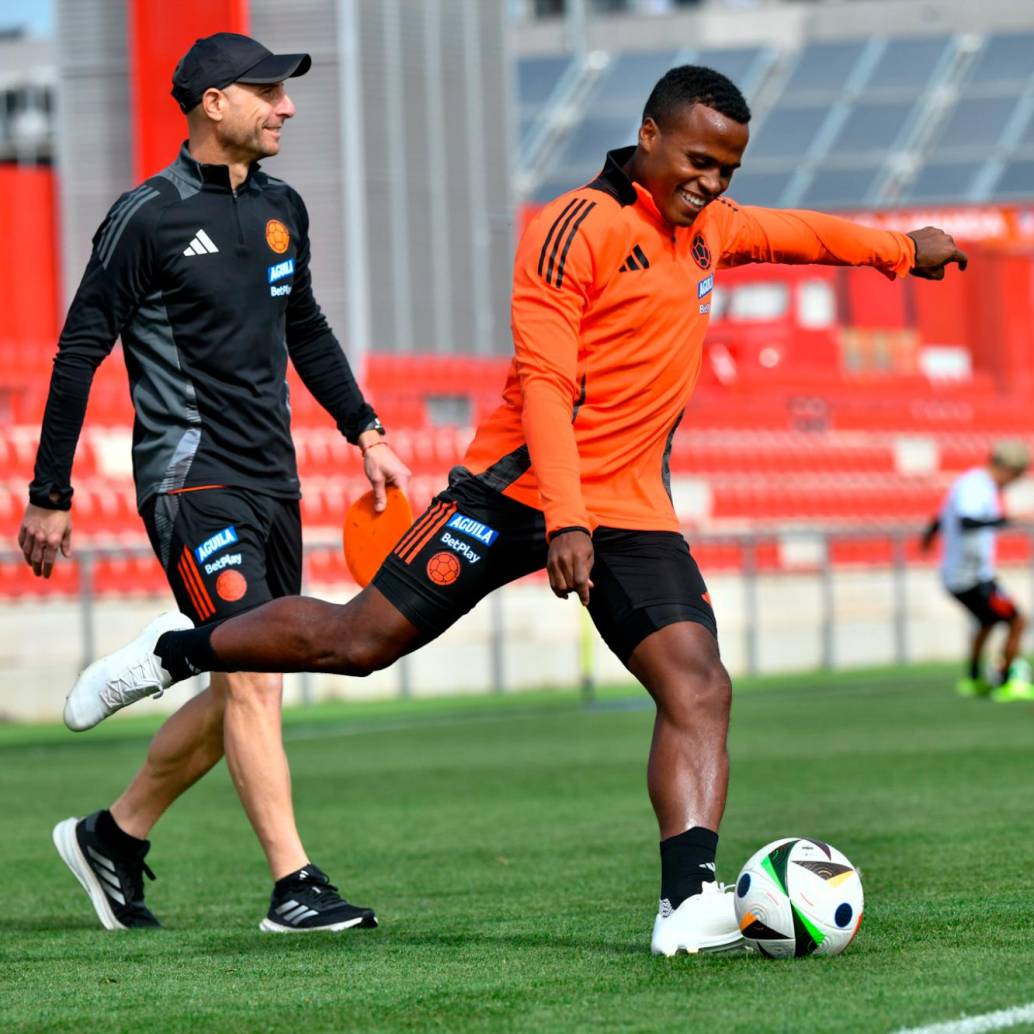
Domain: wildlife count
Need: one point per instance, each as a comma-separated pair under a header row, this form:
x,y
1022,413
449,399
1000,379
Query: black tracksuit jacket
x,y
210,291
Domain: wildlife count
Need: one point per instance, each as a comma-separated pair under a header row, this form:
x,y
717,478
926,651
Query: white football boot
x,y
123,677
703,922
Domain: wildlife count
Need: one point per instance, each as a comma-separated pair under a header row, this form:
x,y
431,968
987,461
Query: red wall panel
x,y
28,300
160,33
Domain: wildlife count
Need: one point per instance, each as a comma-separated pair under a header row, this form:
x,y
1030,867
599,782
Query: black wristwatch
x,y
374,425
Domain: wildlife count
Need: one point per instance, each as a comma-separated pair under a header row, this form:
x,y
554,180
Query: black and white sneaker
x,y
113,881
306,900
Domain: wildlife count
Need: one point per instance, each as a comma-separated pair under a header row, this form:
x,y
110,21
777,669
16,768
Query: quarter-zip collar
x,y
210,177
615,181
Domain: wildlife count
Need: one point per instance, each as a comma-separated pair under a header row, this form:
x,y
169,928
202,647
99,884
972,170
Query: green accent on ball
x,y
775,864
808,936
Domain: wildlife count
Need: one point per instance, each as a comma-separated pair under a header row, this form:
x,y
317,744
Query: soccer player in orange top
x,y
612,290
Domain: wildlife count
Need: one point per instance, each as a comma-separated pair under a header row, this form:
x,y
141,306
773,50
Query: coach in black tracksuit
x,y
203,270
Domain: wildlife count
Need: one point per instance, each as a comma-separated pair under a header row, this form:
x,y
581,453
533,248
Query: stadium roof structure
x,y
870,122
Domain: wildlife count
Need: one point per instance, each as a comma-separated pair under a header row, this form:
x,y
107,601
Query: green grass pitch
x,y
509,848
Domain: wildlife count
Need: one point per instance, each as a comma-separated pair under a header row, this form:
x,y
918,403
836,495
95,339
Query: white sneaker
x,y
123,677
704,922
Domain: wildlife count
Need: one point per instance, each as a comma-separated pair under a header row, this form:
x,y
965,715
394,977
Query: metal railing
x,y
818,563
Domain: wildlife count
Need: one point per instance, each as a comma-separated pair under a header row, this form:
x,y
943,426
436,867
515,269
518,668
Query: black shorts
x,y
473,539
225,550
988,602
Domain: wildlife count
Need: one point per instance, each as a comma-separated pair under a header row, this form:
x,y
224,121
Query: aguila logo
x,y
278,236
701,252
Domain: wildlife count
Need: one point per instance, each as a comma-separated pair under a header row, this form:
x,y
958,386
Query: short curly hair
x,y
695,84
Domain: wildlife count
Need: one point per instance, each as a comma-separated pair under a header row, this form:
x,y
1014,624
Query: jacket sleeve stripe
x,y
570,239
579,206
552,230
114,232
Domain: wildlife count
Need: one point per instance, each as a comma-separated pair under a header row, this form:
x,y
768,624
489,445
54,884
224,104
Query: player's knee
x,y
715,690
366,654
704,692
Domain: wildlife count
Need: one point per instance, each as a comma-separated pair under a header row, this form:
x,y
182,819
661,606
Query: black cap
x,y
228,57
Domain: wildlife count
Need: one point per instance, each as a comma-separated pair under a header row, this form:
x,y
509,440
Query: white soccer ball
x,y
799,896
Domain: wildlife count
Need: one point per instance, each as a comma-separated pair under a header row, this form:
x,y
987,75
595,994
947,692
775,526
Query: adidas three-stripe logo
x,y
202,244
637,260
560,238
292,912
105,869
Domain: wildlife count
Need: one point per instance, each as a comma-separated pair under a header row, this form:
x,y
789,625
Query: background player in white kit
x,y
969,520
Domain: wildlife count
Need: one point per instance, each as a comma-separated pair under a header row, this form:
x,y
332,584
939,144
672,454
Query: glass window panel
x,y
527,124
592,138
759,188
1017,181
940,181
1005,59
787,132
537,78
824,66
1027,137
840,188
975,122
627,83
734,63
872,127
556,185
907,63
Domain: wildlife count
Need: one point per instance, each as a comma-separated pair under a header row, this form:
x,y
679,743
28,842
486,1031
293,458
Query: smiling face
x,y
251,117
690,161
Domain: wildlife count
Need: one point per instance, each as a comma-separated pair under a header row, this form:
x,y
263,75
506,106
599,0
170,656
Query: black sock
x,y
687,863
122,842
974,669
187,653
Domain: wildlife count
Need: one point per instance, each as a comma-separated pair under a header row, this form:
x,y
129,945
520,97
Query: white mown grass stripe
x,y
999,1020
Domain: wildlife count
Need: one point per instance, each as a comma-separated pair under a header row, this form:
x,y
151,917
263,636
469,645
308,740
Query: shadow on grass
x,y
372,943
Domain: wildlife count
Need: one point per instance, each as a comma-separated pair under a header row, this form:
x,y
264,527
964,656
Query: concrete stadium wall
x,y
539,646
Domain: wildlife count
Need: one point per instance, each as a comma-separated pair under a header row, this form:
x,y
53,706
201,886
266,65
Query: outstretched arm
x,y
800,237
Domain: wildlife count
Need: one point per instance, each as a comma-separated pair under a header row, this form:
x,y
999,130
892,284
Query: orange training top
x,y
610,308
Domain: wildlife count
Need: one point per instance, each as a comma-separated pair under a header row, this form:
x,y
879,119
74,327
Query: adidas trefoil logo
x,y
637,260
202,244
